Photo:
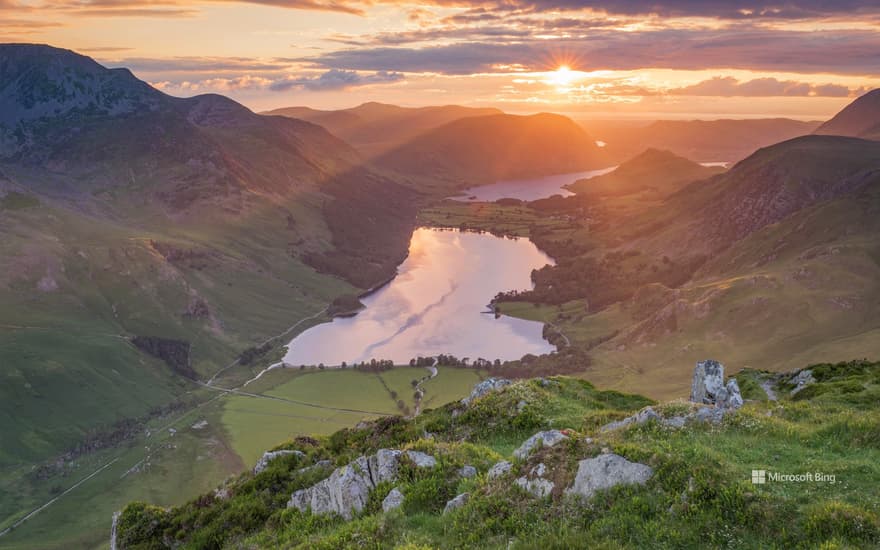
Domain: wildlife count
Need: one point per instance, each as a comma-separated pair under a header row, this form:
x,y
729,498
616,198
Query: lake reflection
x,y
529,190
435,305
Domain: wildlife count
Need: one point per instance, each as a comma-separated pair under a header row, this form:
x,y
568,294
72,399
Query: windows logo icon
x,y
759,477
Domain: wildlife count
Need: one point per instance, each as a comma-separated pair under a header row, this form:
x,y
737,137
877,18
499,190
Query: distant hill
x,y
654,172
698,140
375,128
861,118
479,150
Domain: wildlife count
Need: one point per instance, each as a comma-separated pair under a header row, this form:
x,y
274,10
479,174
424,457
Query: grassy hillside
x,y
700,493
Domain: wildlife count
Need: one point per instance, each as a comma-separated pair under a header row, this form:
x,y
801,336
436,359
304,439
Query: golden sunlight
x,y
563,76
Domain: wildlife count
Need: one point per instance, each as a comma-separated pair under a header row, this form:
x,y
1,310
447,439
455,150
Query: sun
x,y
563,76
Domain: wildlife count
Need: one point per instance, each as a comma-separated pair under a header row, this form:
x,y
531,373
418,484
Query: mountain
x,y
699,140
147,240
485,149
861,118
653,172
375,128
556,463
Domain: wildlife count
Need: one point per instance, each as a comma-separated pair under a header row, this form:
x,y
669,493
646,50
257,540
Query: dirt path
x,y
289,329
432,373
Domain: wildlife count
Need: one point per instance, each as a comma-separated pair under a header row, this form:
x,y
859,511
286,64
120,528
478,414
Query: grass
x,y
700,495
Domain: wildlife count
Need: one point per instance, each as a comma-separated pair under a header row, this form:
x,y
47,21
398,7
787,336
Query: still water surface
x,y
436,305
530,189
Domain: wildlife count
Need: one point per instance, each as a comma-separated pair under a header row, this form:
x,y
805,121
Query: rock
x,y
538,488
467,471
644,415
421,460
499,469
606,471
222,493
675,421
709,414
315,466
708,386
534,483
269,456
708,382
485,387
801,380
734,397
547,438
347,489
457,502
393,501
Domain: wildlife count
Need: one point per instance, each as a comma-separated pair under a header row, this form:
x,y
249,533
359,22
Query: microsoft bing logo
x,y
759,477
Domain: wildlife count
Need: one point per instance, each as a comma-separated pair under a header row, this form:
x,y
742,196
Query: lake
x,y
529,189
436,305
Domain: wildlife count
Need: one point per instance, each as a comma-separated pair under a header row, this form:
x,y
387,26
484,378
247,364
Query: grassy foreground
x,y
700,496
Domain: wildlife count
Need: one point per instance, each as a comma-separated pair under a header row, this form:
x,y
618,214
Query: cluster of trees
x,y
253,353
448,360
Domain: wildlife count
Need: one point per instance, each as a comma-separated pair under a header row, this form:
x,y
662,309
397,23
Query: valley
x,y
186,284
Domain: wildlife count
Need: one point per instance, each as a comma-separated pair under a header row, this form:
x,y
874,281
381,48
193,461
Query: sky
x,y
603,59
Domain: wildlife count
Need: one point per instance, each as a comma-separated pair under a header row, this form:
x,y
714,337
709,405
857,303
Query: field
x,y
218,439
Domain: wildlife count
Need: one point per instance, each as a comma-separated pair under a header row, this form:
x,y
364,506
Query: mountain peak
x,y
39,81
861,118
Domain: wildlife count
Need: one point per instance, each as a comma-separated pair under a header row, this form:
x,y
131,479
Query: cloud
x,y
336,79
198,64
763,87
328,81
761,49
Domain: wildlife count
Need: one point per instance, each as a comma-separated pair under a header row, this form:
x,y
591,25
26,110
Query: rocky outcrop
x,y
347,489
467,471
269,456
547,438
457,502
801,380
534,483
486,387
708,386
499,469
393,501
604,472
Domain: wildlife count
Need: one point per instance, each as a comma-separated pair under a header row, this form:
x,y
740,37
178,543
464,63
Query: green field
x,y
216,440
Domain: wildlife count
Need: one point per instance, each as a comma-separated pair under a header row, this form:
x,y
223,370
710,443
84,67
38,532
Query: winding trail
x,y
432,373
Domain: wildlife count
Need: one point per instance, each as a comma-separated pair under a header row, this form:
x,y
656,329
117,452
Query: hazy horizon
x,y
591,59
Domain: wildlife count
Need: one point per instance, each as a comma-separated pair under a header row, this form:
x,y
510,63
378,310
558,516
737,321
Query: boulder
x,y
393,501
547,438
457,502
499,469
708,387
485,387
606,471
347,489
467,471
269,456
